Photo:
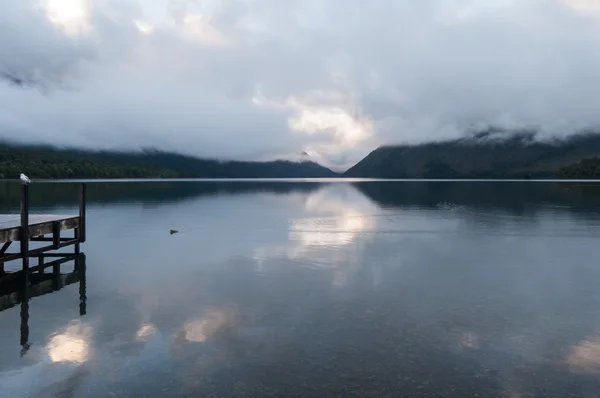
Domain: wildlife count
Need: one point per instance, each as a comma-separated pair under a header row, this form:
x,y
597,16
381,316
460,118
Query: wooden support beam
x,y
55,255
38,251
56,276
57,262
81,269
41,264
4,247
82,211
3,250
39,225
55,234
25,317
24,238
77,249
77,255
44,239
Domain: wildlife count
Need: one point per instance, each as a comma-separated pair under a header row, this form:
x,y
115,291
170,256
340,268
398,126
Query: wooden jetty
x,y
49,233
26,228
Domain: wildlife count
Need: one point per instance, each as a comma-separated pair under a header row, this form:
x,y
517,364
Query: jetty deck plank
x,y
39,224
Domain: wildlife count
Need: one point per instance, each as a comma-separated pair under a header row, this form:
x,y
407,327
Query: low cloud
x,y
263,78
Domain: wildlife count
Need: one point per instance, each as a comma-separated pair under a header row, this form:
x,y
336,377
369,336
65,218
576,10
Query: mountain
x,y
588,168
490,154
52,162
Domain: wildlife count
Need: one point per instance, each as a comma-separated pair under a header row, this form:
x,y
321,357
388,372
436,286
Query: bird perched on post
x,y
24,179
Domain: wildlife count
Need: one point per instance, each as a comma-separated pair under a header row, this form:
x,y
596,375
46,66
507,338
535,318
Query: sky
x,y
266,79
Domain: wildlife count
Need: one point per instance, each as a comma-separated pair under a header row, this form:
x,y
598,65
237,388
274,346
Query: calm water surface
x,y
282,289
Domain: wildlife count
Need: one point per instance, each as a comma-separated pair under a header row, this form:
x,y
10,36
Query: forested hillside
x,y
48,162
490,154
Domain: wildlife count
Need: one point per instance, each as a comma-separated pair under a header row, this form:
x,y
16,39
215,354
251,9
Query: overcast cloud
x,y
258,79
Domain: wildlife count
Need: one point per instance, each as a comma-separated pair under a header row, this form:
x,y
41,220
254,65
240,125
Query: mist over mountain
x,y
492,153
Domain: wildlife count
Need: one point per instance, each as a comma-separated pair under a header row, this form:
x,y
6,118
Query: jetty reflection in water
x,y
18,288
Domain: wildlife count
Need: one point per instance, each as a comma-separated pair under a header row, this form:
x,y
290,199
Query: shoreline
x,y
295,179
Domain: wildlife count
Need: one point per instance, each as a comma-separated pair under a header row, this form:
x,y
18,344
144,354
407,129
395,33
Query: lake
x,y
317,289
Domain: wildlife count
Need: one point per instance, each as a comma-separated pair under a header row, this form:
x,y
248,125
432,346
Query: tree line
x,y
46,162
585,169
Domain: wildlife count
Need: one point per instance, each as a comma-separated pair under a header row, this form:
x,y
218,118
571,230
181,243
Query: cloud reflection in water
x,y
72,345
585,356
201,329
327,233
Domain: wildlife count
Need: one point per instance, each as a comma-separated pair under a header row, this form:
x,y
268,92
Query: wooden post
x,y
77,260
82,285
77,248
4,248
2,251
56,277
25,315
55,235
24,239
41,264
82,210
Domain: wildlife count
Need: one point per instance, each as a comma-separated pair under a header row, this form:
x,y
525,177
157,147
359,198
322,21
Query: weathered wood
x,y
41,264
37,251
55,255
14,220
82,211
39,224
4,247
46,227
44,239
3,250
81,271
24,231
56,277
55,234
77,249
25,316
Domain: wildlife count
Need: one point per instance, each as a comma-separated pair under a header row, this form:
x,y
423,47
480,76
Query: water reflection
x,y
364,289
200,330
71,345
585,356
145,332
22,286
335,215
515,198
150,194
